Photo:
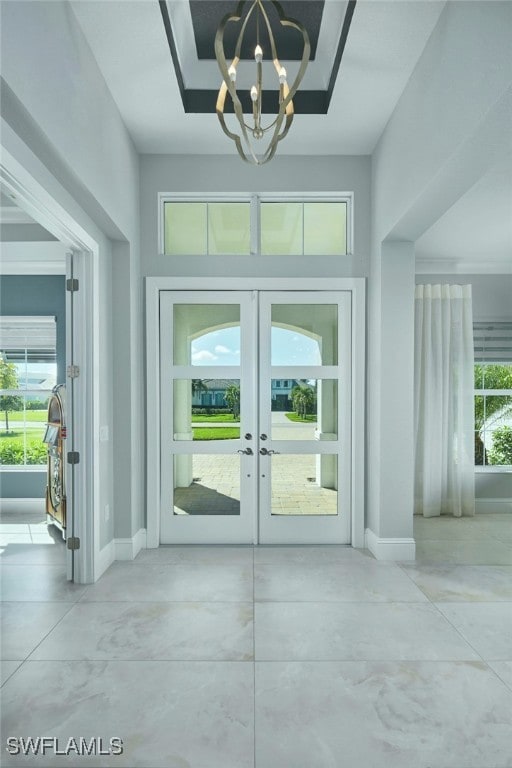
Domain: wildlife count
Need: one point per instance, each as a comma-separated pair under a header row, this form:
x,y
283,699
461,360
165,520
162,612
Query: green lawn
x,y
301,419
216,433
28,416
224,418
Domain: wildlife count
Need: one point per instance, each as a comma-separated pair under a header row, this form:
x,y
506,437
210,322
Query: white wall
x,y
224,175
60,124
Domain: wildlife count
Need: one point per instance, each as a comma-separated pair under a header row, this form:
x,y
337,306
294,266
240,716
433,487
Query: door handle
x,y
247,451
265,452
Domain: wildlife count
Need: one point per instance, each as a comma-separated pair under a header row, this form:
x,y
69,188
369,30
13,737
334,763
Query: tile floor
x,y
274,657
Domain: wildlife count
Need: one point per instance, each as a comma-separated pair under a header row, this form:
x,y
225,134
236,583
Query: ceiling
x,y
384,42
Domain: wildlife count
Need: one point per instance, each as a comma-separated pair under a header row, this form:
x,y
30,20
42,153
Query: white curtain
x,y
444,481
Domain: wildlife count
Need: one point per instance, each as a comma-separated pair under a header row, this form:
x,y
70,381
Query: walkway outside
x,y
215,489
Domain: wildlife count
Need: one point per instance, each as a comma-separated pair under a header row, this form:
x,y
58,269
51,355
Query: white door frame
x,y
357,286
44,208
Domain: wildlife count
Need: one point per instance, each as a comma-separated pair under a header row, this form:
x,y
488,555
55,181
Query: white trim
x,y
128,549
23,506
390,549
493,506
448,266
104,559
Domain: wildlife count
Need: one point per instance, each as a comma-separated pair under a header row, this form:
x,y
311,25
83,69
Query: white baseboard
x,y
390,549
493,506
104,560
128,549
23,505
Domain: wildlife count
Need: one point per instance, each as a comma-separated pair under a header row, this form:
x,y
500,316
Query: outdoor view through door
x,y
255,394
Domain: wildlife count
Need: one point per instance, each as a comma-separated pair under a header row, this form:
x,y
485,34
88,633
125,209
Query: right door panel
x,y
304,417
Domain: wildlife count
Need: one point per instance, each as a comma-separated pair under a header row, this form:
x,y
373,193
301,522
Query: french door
x,y
255,398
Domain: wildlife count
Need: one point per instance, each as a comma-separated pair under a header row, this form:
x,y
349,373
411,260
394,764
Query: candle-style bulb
x,y
254,93
258,54
282,75
232,73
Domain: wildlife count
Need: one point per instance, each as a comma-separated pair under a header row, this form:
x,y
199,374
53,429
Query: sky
x,y
222,347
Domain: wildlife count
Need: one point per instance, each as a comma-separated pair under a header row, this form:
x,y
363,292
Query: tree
x,y
198,386
303,399
501,451
490,408
232,399
9,380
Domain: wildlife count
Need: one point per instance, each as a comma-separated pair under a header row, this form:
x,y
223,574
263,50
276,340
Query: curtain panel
x,y
444,481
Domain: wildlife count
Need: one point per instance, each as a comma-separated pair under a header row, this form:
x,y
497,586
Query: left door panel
x,y
208,417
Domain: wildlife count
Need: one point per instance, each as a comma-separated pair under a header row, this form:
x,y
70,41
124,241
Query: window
x,y
206,228
257,225
493,394
28,372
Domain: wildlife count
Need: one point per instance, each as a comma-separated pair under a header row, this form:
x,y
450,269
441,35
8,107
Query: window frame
x,y
489,356
255,201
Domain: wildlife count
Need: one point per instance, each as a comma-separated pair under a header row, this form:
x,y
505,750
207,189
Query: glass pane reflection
x,y
305,484
304,409
207,484
206,409
206,334
304,334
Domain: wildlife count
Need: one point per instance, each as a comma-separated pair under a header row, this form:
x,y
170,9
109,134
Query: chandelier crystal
x,y
252,135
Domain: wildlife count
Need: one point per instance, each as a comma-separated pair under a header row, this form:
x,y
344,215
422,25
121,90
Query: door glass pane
x,y
228,229
304,484
185,229
304,334
206,334
281,229
304,409
325,229
206,409
207,484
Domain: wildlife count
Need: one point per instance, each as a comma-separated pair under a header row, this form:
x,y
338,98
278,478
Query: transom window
x,y
257,225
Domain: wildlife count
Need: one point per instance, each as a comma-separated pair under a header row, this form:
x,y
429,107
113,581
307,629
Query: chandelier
x,y
254,135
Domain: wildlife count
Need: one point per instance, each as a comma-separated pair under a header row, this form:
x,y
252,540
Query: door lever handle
x,y
247,451
265,452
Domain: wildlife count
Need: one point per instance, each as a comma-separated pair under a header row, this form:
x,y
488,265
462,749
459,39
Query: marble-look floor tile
x,y
7,668
484,551
504,671
20,537
14,528
168,714
33,554
466,583
190,582
169,631
486,626
351,631
24,625
308,554
34,583
448,528
381,714
196,554
359,580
